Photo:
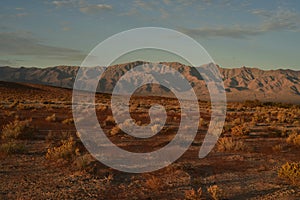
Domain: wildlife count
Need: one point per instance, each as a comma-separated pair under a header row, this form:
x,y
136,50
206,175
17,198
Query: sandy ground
x,y
247,174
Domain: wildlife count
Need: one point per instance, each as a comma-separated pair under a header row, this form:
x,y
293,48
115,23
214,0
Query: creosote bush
x,y
11,135
66,151
215,192
278,147
12,147
291,172
51,118
115,130
192,194
240,130
68,121
294,138
153,182
17,130
230,144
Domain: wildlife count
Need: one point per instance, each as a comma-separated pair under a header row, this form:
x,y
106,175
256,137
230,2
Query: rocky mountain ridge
x,y
240,83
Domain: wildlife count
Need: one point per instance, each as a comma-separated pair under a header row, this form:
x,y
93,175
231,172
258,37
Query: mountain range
x,y
282,85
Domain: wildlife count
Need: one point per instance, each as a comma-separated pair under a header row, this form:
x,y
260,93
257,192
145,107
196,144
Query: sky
x,y
43,33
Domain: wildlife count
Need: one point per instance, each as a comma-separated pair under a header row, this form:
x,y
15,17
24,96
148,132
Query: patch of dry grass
x,y
215,192
153,182
51,118
17,130
13,147
294,138
230,144
291,172
192,194
66,151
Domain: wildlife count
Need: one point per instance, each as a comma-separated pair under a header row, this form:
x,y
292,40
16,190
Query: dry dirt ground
x,y
247,173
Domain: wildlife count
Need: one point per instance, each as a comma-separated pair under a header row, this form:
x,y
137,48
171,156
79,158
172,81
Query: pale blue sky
x,y
42,33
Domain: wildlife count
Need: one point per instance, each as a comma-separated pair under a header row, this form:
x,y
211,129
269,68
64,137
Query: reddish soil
x,y
246,174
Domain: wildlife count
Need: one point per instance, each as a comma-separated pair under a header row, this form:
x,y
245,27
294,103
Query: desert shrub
x,y
82,162
153,182
155,128
115,130
294,138
67,150
17,130
193,195
110,121
227,127
12,147
237,121
215,192
281,117
68,121
278,147
290,171
101,108
240,130
108,179
230,144
203,122
58,137
51,118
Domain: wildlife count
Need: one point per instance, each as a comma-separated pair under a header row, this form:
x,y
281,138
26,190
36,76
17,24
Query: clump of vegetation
x,y
66,151
215,192
290,171
278,147
108,179
82,162
153,182
57,137
294,138
109,121
115,130
11,135
240,130
12,147
51,118
17,130
192,194
230,144
68,121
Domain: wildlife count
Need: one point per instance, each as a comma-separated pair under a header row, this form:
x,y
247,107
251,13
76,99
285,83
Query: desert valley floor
x,y
42,157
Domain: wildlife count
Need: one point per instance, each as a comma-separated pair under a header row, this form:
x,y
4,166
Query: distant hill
x,y
240,83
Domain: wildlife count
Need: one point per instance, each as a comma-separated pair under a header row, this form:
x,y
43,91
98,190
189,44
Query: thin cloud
x,y
82,6
261,12
92,9
23,44
146,5
22,14
66,3
232,32
280,20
